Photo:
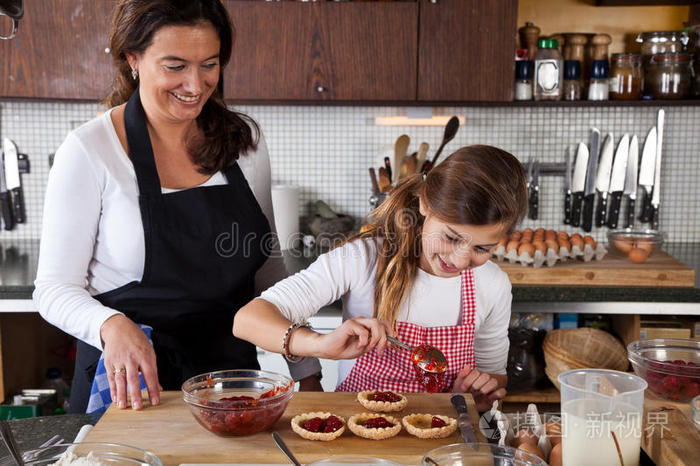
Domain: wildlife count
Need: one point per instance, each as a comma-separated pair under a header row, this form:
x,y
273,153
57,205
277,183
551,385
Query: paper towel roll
x,y
285,204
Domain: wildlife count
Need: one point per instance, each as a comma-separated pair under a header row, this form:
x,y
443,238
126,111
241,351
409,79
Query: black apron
x,y
203,246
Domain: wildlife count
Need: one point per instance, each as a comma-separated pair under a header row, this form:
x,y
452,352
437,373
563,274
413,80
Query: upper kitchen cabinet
x,y
467,50
59,51
323,51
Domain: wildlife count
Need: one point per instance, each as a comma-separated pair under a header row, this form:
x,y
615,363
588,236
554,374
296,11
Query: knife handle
x,y
459,403
654,218
601,208
18,205
533,204
567,208
645,215
630,213
587,220
614,214
576,208
6,208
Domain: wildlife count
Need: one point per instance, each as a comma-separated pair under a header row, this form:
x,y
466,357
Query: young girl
x,y
420,273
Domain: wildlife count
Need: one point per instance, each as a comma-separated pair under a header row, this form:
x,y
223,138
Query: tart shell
x,y
375,433
381,406
299,419
410,421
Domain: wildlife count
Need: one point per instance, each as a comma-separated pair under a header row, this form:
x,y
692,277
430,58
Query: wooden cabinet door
x,y
466,50
299,51
59,51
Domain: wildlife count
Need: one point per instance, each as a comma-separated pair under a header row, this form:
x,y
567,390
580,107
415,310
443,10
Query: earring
x,y
134,74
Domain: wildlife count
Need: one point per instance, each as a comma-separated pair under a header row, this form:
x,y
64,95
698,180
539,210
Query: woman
x,y
158,212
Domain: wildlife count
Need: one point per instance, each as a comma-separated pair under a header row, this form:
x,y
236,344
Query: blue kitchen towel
x,y
100,398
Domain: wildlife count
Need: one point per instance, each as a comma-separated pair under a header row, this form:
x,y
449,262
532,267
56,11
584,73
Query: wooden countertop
x,y
171,432
670,438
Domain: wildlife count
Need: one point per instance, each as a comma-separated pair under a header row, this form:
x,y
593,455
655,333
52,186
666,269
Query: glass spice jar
x,y
625,76
668,76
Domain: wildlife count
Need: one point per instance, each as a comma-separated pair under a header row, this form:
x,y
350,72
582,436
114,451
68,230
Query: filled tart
x,y
429,426
374,426
382,400
318,426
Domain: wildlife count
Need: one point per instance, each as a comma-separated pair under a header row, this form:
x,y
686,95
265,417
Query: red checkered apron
x,y
395,370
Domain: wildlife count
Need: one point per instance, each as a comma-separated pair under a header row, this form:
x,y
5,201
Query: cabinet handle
x,y
320,88
433,1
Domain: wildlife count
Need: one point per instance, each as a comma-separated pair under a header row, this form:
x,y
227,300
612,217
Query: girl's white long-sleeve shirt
x,y
93,240
348,272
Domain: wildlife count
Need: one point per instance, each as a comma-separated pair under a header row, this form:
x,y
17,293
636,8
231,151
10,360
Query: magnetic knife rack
x,y
548,169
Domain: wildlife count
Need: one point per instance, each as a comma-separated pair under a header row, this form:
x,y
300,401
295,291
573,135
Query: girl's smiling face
x,y
447,249
179,71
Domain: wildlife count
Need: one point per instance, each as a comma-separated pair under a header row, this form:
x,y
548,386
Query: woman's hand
x,y
354,338
485,388
126,352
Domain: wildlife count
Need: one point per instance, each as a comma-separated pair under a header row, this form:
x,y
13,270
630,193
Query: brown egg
x,y
503,242
526,238
540,246
512,245
526,248
516,236
564,243
550,234
534,449
563,234
623,244
555,456
528,231
638,255
553,430
646,245
552,244
539,231
577,241
576,235
588,239
525,436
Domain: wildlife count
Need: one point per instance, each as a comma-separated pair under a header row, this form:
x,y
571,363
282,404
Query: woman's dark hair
x,y
476,185
134,23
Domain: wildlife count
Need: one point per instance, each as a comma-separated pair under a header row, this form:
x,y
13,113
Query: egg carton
x,y
550,251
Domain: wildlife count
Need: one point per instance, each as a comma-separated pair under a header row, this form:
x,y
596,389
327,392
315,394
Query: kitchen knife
x,y
589,190
617,180
533,190
14,185
463,421
5,205
631,180
602,178
567,188
646,173
656,196
387,167
577,183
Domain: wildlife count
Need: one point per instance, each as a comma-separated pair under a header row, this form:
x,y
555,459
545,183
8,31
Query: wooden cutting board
x,y
170,431
615,269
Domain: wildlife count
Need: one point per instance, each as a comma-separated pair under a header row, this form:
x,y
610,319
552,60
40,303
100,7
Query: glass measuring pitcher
x,y
601,417
14,10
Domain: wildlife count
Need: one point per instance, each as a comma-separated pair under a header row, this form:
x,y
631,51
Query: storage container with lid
x,y
572,80
549,71
625,76
523,80
598,85
655,42
668,76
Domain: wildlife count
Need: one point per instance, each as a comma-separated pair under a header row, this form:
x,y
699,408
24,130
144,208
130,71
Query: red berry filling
x,y
681,386
316,424
378,423
391,397
437,422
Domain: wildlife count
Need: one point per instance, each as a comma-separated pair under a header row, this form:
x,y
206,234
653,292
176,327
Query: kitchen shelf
x,y
541,395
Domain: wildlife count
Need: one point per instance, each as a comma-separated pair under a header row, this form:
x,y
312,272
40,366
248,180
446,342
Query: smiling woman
x,y
129,262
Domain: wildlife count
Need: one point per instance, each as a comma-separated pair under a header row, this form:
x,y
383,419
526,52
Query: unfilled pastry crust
x,y
375,433
299,419
419,425
381,406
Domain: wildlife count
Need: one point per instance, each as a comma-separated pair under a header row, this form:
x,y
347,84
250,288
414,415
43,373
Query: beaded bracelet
x,y
285,343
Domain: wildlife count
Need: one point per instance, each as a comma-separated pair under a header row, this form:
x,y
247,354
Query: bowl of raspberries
x,y
670,366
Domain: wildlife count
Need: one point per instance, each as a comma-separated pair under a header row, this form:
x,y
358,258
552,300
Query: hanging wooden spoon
x,y
450,131
400,149
420,156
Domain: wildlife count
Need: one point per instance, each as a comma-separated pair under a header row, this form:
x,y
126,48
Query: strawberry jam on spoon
x,y
429,363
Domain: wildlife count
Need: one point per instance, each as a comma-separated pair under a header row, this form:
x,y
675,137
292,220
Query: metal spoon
x,y
283,446
9,440
450,130
430,358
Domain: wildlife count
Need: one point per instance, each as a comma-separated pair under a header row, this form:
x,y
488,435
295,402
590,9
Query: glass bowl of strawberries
x,y
237,402
671,366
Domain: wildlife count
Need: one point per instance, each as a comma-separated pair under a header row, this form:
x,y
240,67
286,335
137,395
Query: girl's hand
x,y
484,387
354,338
126,352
